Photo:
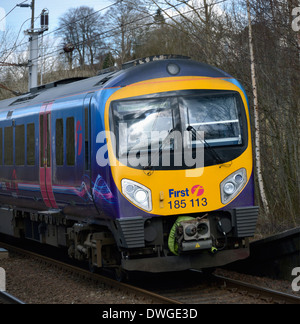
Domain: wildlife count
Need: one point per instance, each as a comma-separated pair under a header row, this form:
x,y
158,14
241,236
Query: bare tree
x,y
82,29
125,20
197,20
12,65
256,118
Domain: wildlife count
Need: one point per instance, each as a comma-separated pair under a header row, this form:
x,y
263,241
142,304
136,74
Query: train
x,y
145,168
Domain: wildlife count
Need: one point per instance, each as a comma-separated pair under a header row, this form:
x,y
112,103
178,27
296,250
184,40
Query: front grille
x,y
246,219
132,232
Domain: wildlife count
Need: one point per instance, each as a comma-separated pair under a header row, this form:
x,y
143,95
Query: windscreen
x,y
216,116
145,126
141,125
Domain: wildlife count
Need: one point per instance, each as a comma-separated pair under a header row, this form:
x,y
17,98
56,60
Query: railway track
x,y
97,278
6,298
211,290
222,290
261,293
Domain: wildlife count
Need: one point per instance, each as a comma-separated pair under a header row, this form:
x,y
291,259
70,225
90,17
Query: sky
x,y
56,8
16,19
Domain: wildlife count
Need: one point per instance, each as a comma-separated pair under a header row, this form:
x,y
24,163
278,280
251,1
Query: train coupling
x,y
196,245
195,229
190,234
195,234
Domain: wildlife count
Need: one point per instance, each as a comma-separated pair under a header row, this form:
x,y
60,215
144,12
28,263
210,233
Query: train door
x,y
45,163
87,141
71,155
87,132
68,154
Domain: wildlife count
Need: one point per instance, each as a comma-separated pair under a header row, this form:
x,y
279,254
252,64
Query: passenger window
x,y
20,145
70,141
8,146
59,142
30,144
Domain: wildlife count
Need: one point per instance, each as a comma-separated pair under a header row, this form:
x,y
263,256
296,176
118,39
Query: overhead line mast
x,y
33,34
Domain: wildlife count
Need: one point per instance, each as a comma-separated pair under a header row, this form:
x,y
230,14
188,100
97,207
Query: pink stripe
x,y
46,172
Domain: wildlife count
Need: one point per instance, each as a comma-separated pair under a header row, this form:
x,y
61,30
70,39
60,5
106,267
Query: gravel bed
x,y
279,285
37,283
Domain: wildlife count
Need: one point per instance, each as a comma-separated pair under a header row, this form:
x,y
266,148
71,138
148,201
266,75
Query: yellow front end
x,y
180,191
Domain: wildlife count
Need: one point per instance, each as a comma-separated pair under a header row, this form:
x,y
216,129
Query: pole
x,y
33,60
32,14
34,44
33,52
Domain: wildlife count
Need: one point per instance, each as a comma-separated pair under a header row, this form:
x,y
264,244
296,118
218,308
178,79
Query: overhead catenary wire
x,y
105,8
105,32
8,52
12,10
118,27
2,86
114,31
97,35
57,29
80,19
15,44
12,64
124,25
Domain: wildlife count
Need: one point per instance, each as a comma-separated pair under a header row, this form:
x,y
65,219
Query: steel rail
x,y
260,292
6,298
138,292
256,292
214,291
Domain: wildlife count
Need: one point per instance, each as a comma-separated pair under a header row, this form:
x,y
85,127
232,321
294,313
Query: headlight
x,y
232,185
137,193
229,188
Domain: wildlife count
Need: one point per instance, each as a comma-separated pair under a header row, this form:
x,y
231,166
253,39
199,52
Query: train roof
x,y
55,90
132,72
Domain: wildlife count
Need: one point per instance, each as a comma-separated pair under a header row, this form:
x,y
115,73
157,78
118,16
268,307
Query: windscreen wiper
x,y
215,155
149,167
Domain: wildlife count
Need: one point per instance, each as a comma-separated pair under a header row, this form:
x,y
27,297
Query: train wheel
x,y
119,274
92,267
207,272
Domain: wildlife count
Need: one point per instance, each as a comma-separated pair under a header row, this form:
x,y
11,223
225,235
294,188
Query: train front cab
x,y
178,217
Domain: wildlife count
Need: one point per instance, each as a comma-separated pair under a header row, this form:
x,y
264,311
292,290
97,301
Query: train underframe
x,y
157,244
